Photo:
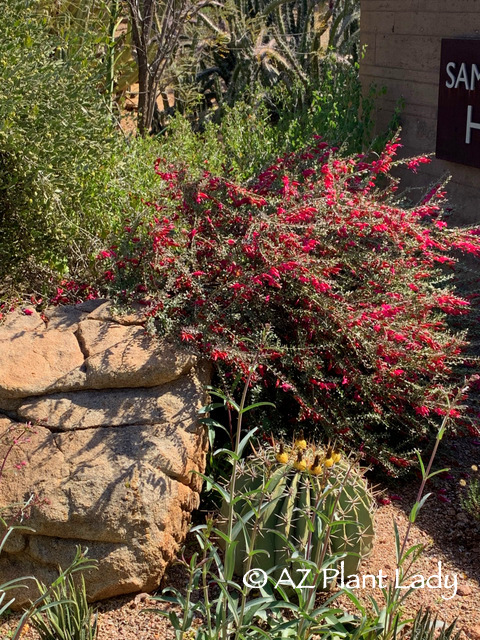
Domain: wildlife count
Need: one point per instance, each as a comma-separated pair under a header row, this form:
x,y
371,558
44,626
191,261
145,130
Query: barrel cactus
x,y
302,483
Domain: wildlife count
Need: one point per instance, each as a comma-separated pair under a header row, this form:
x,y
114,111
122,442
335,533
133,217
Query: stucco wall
x,y
403,41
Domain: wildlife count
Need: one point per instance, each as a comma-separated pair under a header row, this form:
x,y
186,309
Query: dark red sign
x,y
458,123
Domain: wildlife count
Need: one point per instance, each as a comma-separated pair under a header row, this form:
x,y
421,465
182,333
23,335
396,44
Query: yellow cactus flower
x,y
329,459
337,456
300,442
316,468
282,456
300,464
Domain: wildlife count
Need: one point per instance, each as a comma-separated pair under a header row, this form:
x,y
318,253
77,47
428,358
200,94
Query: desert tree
x,y
157,29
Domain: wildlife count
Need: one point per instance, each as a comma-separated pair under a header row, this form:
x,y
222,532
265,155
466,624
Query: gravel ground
x,y
449,535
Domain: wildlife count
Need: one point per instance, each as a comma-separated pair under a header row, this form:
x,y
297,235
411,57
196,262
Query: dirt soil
x,y
450,536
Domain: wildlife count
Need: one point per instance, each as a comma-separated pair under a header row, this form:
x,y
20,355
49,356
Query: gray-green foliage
x,y
6,530
65,614
53,129
425,627
62,604
470,501
239,145
68,178
332,110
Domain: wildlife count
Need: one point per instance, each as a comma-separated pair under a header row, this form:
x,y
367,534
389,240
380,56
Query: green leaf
x,y
210,407
256,405
417,506
435,473
246,439
422,466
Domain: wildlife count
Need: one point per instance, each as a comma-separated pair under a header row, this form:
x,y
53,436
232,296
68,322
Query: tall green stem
x,y
114,13
231,488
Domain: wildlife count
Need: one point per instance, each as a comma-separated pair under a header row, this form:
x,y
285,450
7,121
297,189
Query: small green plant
x,y
425,628
470,499
65,614
6,530
50,599
12,516
11,520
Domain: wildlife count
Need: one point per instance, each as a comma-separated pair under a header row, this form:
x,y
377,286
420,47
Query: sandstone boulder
x,y
114,452
173,402
124,356
35,361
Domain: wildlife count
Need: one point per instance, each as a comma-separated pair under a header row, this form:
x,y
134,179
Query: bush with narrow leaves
x,y
355,289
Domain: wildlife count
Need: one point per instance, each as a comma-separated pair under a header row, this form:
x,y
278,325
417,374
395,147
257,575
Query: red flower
x,y
422,411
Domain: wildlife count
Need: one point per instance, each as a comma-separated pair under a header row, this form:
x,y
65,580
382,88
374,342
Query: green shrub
x,y
350,285
335,109
53,130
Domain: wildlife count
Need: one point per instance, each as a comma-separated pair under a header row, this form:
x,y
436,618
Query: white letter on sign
x,y
462,77
450,84
470,125
474,77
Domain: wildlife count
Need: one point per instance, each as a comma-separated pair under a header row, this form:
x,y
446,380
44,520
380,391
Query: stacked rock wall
x,y
113,449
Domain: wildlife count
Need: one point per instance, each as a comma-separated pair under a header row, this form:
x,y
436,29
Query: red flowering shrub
x,y
353,290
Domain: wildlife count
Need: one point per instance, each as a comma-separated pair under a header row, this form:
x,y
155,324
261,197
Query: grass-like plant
x,y
470,499
65,613
424,627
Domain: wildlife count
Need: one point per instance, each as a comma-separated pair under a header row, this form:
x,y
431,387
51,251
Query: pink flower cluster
x,y
343,279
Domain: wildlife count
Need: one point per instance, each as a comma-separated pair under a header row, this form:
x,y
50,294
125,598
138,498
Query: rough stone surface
x,y
72,351
106,312
473,632
66,318
173,402
123,356
36,361
113,452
